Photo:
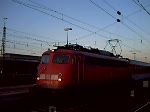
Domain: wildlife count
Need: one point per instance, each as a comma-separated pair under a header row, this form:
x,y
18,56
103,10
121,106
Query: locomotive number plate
x,y
42,76
54,77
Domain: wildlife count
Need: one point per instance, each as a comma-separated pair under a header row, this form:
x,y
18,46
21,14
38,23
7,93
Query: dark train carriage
x,y
18,69
140,74
140,70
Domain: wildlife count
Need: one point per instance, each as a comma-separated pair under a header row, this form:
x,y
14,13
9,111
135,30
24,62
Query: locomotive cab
x,y
54,70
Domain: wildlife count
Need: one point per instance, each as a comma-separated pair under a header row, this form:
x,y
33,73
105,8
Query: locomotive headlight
x,y
38,78
60,77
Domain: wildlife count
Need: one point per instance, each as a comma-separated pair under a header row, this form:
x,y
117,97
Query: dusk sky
x,y
33,26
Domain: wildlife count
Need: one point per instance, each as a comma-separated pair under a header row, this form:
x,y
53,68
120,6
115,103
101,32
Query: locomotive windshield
x,y
61,59
45,59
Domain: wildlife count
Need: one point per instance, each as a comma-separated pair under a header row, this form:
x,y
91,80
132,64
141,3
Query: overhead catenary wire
x,y
59,18
130,22
121,22
40,44
94,32
23,43
20,49
110,5
15,44
26,37
63,15
99,29
114,23
22,3
102,9
116,18
139,4
30,34
41,6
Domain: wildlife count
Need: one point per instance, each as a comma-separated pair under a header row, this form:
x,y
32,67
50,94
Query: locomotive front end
x,y
54,70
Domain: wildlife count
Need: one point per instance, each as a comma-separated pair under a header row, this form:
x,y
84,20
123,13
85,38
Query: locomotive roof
x,y
92,52
139,63
77,47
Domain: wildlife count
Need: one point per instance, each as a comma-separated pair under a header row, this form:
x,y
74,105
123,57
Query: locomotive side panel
x,y
78,68
101,69
105,73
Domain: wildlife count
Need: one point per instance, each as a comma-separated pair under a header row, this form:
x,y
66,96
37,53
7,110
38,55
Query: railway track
x,y
144,107
103,103
100,103
68,109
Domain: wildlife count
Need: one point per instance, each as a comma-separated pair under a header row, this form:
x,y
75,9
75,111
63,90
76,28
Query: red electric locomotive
x,y
75,67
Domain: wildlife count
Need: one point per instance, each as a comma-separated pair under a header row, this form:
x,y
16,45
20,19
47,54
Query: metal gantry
x,y
114,44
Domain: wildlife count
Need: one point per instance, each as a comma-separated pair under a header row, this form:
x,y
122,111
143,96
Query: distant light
x,y
67,29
